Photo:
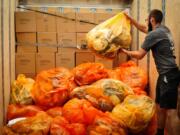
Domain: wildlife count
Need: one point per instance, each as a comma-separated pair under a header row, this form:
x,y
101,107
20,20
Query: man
x,y
159,41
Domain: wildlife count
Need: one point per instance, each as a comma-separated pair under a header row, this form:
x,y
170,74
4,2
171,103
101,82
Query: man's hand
x,y
139,26
126,13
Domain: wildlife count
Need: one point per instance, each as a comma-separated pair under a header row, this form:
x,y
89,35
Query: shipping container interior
x,y
11,52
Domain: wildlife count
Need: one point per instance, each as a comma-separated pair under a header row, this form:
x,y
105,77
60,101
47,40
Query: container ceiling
x,y
78,3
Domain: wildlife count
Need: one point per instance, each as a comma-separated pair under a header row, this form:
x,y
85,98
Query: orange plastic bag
x,y
80,111
139,91
132,75
52,87
61,126
16,111
36,125
88,73
106,126
54,112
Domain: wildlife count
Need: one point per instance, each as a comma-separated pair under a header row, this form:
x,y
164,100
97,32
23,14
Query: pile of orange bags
x,y
76,117
55,107
52,87
132,75
88,73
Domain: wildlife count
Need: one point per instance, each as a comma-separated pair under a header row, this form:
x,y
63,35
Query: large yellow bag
x,y
136,112
108,37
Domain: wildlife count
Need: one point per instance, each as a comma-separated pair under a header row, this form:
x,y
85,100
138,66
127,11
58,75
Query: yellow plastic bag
x,y
21,90
103,94
106,38
136,112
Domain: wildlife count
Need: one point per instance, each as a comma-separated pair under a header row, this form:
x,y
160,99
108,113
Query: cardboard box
x,y
107,63
25,63
67,39
45,23
23,39
83,57
66,25
81,40
82,26
101,17
25,21
44,61
27,49
122,58
48,39
29,75
65,58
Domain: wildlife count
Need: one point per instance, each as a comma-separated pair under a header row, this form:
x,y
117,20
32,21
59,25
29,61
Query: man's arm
x,y
139,26
135,54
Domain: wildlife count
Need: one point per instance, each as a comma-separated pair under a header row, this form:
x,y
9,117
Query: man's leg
x,y
161,120
173,122
178,102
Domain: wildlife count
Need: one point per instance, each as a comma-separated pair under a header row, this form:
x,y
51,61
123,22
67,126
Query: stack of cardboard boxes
x,y
45,41
26,39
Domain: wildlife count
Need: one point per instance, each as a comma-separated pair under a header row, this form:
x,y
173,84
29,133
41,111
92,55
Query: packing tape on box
x,y
42,44
44,12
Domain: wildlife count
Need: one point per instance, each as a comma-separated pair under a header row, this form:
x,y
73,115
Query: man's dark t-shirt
x,y
162,46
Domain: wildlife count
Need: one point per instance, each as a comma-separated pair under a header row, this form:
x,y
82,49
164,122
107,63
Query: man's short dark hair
x,y
157,15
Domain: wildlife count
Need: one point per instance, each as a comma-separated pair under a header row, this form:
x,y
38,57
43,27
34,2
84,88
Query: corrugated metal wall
x,y
7,52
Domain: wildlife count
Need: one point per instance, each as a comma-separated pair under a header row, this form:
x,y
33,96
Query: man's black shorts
x,y
167,89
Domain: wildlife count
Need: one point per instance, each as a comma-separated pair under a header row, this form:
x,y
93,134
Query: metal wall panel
x,y
7,52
